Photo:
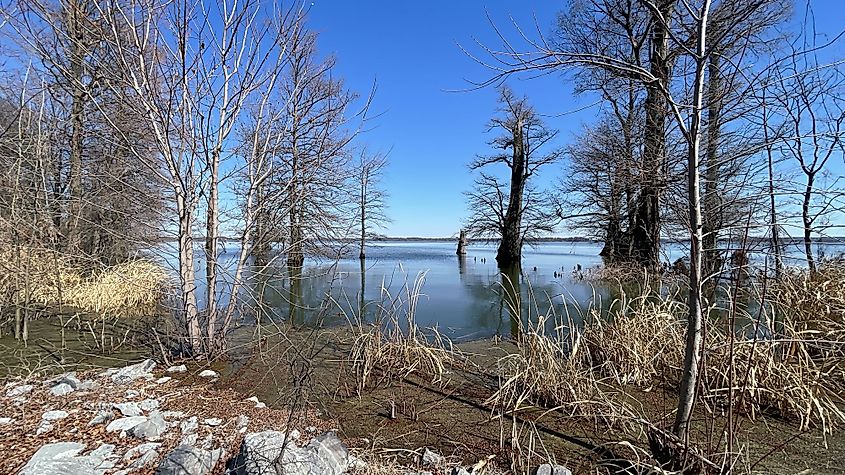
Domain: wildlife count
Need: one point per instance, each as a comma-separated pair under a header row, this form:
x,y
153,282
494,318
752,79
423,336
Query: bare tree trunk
x,y
510,248
692,354
712,222
186,273
364,178
76,31
211,237
646,234
807,221
773,216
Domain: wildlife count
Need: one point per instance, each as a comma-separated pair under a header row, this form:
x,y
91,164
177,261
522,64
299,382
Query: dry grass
x,y
641,341
549,371
395,346
134,288
798,372
41,275
47,278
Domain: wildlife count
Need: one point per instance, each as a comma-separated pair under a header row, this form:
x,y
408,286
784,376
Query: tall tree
x,y
523,137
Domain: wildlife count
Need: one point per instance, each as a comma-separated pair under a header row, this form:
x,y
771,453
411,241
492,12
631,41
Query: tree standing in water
x,y
513,212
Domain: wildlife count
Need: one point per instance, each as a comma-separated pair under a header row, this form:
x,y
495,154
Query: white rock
x,y
54,415
128,409
130,373
132,394
21,390
163,379
258,404
140,450
102,417
173,414
125,423
213,422
61,389
4,421
243,423
549,469
62,458
431,458
208,373
189,425
149,405
177,369
43,428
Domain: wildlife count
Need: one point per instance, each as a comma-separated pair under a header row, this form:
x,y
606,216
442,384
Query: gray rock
x,y
148,405
88,386
331,450
43,428
54,415
128,409
208,373
61,389
68,378
173,414
127,374
140,450
104,451
102,417
213,422
458,471
189,425
549,469
125,424
151,429
186,460
432,458
258,452
177,369
21,390
149,458
132,394
63,458
190,439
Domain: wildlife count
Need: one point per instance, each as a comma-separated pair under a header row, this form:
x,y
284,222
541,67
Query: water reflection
x,y
467,299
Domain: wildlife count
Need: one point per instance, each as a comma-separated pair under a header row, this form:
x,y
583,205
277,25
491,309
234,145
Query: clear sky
x,y
411,49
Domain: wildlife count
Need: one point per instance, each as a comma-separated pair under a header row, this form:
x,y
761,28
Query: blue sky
x,y
411,49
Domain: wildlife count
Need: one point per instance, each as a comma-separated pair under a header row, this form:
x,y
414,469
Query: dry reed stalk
x,y
395,346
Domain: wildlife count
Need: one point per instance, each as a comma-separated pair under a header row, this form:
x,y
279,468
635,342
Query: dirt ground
x,y
400,418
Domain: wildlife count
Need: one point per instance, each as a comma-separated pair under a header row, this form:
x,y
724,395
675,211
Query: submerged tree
x,y
511,210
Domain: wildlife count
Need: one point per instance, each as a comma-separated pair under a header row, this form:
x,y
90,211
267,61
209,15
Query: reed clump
x,y
791,365
50,279
550,371
641,339
133,288
36,276
395,347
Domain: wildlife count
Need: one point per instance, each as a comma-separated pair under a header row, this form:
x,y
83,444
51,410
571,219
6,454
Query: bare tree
x,y
371,199
808,97
190,70
523,137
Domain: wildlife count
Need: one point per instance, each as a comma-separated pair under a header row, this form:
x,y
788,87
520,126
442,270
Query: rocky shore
x,y
143,419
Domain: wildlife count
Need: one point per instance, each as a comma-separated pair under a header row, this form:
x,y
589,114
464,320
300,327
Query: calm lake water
x,y
464,298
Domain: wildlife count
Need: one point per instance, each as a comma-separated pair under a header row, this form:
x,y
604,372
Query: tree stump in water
x,y
462,243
